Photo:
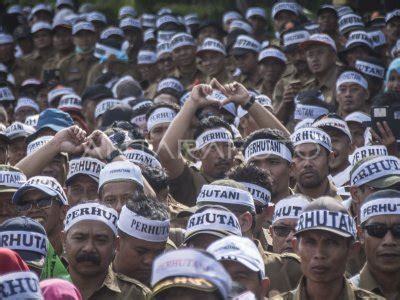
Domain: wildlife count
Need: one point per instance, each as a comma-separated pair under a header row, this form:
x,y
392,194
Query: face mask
x,y
79,50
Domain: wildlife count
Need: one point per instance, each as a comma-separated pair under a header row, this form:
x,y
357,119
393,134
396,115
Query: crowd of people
x,y
162,156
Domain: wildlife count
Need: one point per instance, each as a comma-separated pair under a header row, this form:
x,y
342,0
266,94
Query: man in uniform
x,y
143,229
380,234
90,241
311,160
325,238
74,68
327,19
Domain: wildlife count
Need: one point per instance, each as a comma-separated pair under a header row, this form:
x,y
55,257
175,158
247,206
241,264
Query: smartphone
x,y
390,114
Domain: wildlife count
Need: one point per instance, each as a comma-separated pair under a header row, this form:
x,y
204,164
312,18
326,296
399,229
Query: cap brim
x,y
68,180
195,283
26,188
32,258
220,234
241,260
332,230
384,182
7,189
307,44
241,51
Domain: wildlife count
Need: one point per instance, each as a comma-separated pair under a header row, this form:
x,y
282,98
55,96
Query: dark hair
x,y
152,108
156,177
271,134
211,122
148,207
132,129
386,98
251,174
311,97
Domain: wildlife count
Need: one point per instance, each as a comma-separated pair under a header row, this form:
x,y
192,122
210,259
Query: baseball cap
x,y
334,121
357,38
392,14
380,203
293,37
48,185
191,269
245,44
327,7
256,12
290,207
349,22
41,26
285,6
83,26
18,129
26,102
70,102
240,249
28,283
210,44
84,166
3,135
51,118
27,237
359,117
318,39
11,179
327,214
120,171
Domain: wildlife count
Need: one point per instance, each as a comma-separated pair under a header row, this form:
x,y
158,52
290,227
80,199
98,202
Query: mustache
x,y
90,257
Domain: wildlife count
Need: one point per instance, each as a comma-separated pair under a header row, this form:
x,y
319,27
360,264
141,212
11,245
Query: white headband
x,y
272,53
103,50
164,35
12,179
338,221
139,120
259,194
210,44
379,207
143,228
247,42
18,129
6,94
160,115
374,169
106,33
267,147
23,240
91,211
366,151
351,77
85,166
163,48
242,25
213,220
180,40
311,135
231,15
120,171
218,135
256,11
278,7
20,285
304,111
141,157
38,143
170,83
216,194
370,69
289,208
349,20
146,57
70,101
105,105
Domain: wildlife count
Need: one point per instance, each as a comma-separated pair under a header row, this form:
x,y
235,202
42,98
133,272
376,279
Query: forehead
x,y
33,194
318,47
82,179
91,228
307,147
385,219
321,235
161,126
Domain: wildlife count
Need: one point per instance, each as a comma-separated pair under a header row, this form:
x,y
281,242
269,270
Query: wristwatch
x,y
113,155
249,103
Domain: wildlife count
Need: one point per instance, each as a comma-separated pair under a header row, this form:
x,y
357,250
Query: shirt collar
x,y
368,282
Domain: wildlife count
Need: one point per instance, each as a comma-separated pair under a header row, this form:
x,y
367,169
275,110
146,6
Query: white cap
x,y
358,117
126,11
247,42
96,16
231,15
256,12
392,14
40,7
181,39
348,21
83,25
319,38
120,171
339,124
148,20
40,25
189,263
163,48
38,143
105,105
170,83
295,37
26,102
289,208
240,25
284,6
15,9
85,166
166,19
148,35
191,19
31,81
58,92
130,22
359,37
272,52
6,38
18,129
146,57
240,249
110,31
70,101
27,283
210,44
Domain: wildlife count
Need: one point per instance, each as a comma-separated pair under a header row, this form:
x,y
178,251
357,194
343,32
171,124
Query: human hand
x,y
235,92
70,140
98,145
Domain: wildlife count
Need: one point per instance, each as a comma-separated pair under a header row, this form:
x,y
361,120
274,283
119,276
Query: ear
x,y
291,169
295,245
63,239
148,136
355,194
265,286
246,220
117,244
271,232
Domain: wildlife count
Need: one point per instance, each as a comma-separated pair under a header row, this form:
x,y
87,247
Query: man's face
x,y
323,255
42,15
42,39
393,83
310,165
247,62
351,97
57,168
157,133
282,18
84,40
117,193
3,152
62,39
383,254
282,232
89,247
257,23
392,30
184,56
320,58
81,189
208,32
249,279
279,169
212,62
327,22
360,52
17,150
166,98
342,148
6,52
357,133
271,69
201,241
165,63
134,37
23,112
217,159
141,255
7,209
298,58
50,216
148,71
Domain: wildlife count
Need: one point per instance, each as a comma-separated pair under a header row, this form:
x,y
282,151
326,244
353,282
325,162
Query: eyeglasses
x,y
40,203
380,230
283,231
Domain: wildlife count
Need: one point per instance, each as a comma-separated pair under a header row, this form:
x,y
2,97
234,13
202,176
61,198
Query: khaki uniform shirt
x,y
349,292
245,80
30,66
187,186
120,287
189,81
265,239
330,191
283,270
367,282
74,70
53,61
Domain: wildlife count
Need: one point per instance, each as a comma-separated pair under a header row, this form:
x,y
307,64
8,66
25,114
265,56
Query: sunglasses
x,y
40,203
283,231
380,230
